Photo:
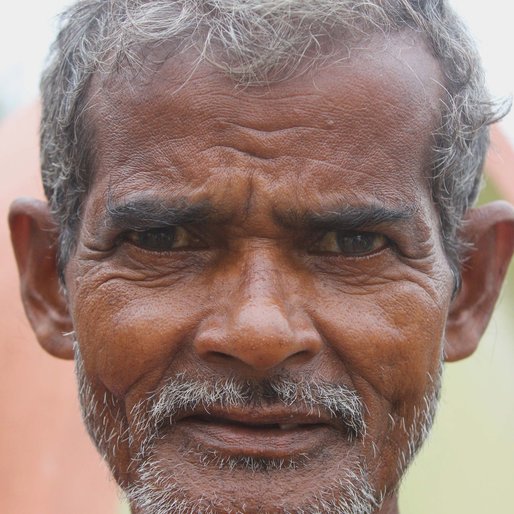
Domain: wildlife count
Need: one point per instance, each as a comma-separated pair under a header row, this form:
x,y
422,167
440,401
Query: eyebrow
x,y
144,213
347,217
140,214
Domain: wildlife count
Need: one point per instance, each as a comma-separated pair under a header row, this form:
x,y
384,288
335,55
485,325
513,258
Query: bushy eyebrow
x,y
347,217
143,213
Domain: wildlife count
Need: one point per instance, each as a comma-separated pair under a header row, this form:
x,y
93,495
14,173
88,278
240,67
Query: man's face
x,y
259,291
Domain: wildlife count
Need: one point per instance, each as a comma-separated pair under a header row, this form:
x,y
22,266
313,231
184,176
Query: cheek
x,y
390,344
130,332
389,340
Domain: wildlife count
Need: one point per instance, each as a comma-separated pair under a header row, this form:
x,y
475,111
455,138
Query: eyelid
x,y
182,238
331,246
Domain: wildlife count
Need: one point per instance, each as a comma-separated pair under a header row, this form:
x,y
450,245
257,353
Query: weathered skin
x,y
253,289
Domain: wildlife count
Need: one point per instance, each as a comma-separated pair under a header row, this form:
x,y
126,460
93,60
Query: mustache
x,y
181,395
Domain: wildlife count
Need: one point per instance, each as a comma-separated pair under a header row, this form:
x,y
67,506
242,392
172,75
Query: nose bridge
x,y
263,284
262,324
262,308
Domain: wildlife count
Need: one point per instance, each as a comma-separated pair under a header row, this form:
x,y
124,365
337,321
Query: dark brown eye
x,y
164,239
351,244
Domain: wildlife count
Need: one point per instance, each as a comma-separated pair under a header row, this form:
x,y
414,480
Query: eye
x,y
351,244
163,239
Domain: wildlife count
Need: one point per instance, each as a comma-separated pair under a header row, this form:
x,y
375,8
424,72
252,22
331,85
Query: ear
x,y
490,230
34,239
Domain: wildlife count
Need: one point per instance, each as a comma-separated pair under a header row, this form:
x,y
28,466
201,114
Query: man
x,y
259,244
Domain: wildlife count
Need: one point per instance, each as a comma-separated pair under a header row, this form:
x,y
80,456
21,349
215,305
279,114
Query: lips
x,y
249,425
262,433
261,417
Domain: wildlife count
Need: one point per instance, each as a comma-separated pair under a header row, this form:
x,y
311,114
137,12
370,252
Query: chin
x,y
248,485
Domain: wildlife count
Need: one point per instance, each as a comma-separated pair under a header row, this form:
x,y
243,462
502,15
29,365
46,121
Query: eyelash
x,y
166,239
331,243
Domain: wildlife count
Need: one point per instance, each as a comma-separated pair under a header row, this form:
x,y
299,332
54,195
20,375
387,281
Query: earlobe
x,y
34,239
490,230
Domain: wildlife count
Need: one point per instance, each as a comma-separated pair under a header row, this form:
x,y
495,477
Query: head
x,y
260,243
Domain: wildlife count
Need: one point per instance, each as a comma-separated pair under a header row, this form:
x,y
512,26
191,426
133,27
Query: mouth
x,y
263,434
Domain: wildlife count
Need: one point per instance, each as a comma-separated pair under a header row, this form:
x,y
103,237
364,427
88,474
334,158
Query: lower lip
x,y
241,440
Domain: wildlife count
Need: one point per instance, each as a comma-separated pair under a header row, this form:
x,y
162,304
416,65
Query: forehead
x,y
358,128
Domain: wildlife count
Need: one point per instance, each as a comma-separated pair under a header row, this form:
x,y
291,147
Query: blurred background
x,y
48,466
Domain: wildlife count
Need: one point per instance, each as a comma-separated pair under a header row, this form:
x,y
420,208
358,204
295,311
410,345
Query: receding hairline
x,y
145,82
147,61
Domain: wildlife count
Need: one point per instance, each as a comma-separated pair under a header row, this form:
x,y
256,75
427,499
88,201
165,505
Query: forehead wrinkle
x,y
326,111
200,83
261,134
264,144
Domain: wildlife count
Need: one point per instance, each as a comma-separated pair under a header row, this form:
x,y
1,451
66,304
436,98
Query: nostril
x,y
257,359
220,357
300,357
260,338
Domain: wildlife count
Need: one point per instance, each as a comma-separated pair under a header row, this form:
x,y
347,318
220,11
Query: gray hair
x,y
255,42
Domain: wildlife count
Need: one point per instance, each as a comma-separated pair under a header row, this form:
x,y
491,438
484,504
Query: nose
x,y
261,324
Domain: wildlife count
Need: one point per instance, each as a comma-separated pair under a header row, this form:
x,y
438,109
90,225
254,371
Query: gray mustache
x,y
181,395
